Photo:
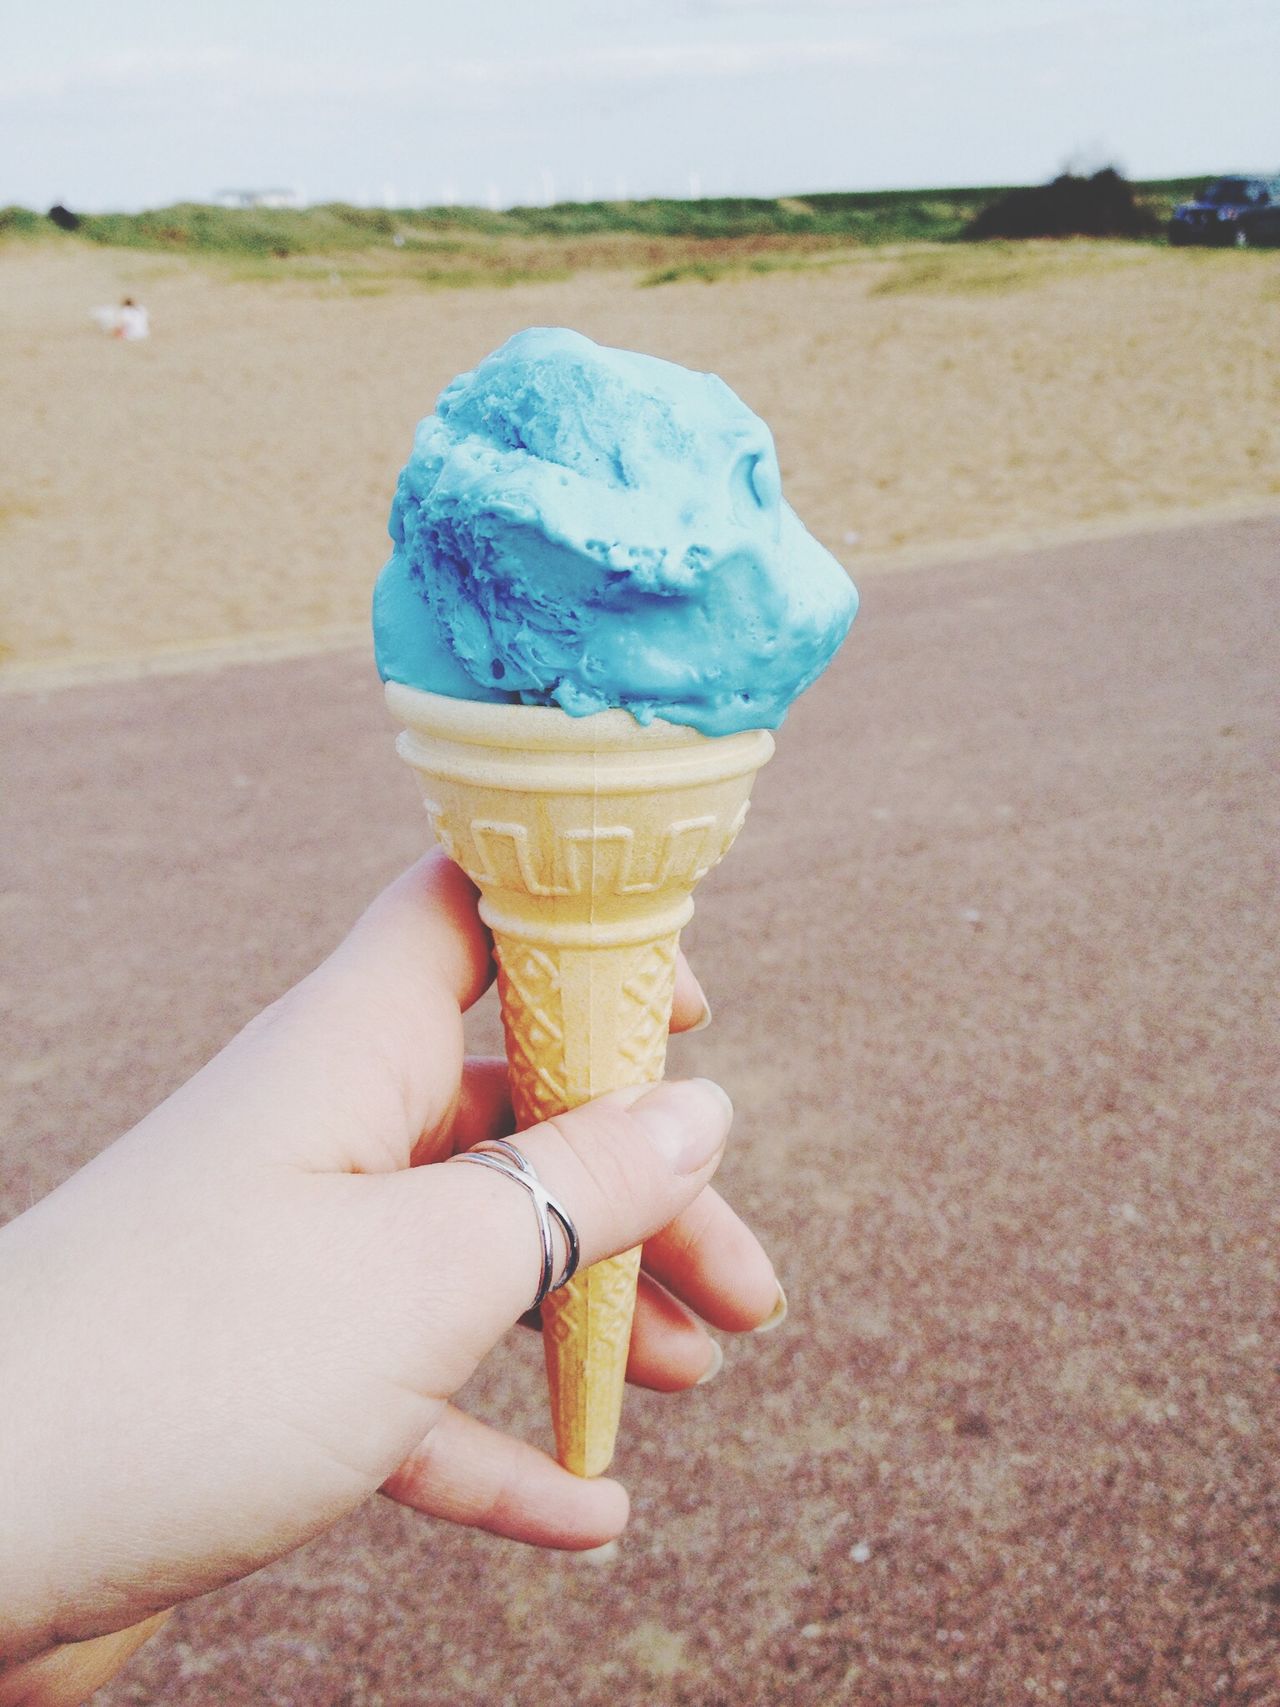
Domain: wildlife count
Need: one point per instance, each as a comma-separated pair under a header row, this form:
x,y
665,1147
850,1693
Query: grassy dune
x,y
463,246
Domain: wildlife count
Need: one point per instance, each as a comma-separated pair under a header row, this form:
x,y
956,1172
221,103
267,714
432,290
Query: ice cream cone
x,y
585,836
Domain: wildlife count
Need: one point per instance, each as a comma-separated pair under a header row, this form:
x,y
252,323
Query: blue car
x,y
1240,211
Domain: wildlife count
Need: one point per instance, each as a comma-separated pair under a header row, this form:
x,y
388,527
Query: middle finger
x,y
711,1260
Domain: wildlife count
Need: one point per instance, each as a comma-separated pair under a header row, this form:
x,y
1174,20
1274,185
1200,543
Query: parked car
x,y
1243,211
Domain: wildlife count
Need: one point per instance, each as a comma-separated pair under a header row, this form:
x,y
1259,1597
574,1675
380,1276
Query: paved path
x,y
994,968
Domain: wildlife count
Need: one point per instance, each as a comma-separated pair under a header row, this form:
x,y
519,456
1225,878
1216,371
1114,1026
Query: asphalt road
x,y
994,968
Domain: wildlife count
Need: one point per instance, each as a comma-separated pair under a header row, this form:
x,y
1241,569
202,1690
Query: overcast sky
x,y
142,102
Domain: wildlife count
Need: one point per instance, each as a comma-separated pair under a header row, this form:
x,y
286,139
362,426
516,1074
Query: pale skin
x,y
251,1312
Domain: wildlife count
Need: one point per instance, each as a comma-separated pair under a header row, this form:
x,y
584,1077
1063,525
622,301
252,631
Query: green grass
x,y
371,249
278,233
21,222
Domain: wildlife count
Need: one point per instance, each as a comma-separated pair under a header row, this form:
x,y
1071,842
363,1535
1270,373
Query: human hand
x,y
252,1311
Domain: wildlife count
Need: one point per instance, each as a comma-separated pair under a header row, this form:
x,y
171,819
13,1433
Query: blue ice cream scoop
x,y
585,527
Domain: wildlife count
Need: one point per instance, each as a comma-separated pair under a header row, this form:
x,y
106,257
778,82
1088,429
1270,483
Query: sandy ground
x,y
999,1039
994,970
231,477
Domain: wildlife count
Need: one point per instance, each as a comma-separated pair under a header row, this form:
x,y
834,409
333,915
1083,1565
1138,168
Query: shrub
x,y
1101,206
19,222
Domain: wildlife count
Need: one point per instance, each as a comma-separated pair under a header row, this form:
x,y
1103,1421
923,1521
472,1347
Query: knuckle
x,y
696,1227
609,1153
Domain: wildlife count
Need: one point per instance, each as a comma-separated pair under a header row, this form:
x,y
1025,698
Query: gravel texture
x,y
994,969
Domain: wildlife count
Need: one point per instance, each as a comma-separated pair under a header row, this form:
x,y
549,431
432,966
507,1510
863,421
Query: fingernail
x,y
605,1554
714,1367
776,1317
686,1121
704,1021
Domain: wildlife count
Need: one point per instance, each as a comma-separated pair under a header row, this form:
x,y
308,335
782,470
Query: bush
x,y
1101,206
19,222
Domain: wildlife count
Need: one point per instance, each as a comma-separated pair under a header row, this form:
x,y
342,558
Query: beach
x,y
995,1021
225,485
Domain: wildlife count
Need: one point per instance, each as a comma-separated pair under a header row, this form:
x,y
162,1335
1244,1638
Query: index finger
x,y
353,1065
423,929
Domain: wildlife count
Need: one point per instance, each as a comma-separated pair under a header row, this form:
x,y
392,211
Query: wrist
x,y
52,1435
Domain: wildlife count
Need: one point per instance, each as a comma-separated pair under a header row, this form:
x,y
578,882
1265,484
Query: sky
x,y
496,102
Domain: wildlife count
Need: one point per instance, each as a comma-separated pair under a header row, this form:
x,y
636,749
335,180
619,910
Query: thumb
x,y
621,1167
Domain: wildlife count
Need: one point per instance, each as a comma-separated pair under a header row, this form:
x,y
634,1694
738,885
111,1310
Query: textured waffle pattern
x,y
621,998
533,1018
646,1014
543,1081
587,1332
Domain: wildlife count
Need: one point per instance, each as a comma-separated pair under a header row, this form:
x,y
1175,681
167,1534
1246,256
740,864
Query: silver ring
x,y
508,1161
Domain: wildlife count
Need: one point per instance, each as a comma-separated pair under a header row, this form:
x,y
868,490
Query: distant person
x,y
133,322
130,321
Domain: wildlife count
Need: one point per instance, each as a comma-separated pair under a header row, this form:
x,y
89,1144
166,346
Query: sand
x,y
228,481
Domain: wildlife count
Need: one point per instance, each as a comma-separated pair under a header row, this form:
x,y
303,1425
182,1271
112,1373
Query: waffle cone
x,y
585,837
